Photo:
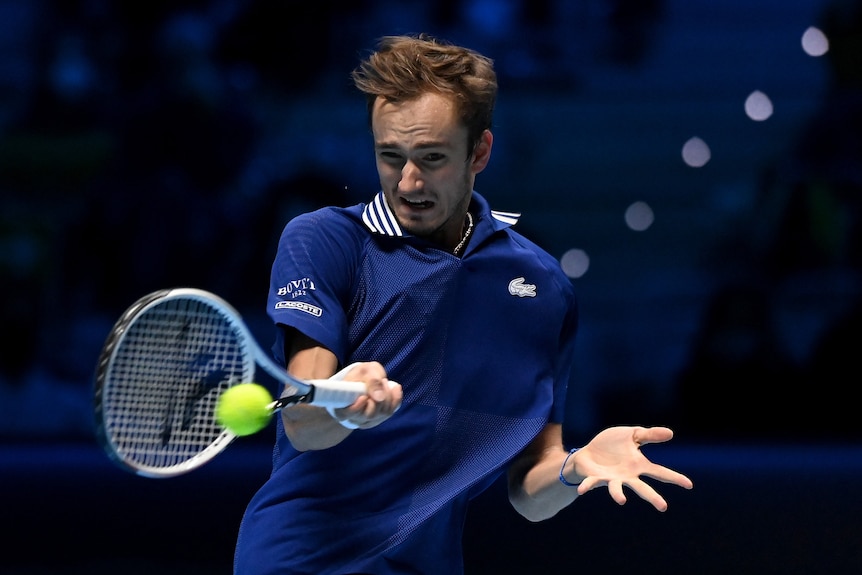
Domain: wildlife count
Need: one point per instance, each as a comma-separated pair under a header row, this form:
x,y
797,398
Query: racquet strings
x,y
168,370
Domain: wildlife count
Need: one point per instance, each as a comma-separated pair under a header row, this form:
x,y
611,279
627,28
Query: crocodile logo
x,y
519,288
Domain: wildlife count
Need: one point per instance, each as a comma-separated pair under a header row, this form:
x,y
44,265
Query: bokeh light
x,y
639,216
814,42
758,106
575,263
696,153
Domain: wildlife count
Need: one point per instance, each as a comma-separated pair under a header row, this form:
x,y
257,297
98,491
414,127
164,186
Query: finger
x,y
396,395
371,411
356,408
374,376
377,390
382,409
615,488
590,482
645,435
647,493
386,398
666,475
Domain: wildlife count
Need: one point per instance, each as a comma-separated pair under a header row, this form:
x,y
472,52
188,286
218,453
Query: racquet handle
x,y
335,393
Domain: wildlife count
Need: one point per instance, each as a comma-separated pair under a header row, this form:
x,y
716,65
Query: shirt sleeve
x,y
566,357
311,282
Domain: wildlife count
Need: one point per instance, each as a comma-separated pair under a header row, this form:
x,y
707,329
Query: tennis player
x,y
426,285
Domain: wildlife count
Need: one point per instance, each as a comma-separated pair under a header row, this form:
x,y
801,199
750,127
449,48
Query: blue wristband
x,y
563,479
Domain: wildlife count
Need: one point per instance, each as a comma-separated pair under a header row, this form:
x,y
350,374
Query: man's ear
x,y
482,152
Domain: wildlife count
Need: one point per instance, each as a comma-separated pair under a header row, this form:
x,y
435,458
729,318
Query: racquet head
x,y
160,373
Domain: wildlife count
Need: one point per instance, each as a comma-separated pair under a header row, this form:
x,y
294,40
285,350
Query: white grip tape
x,y
335,392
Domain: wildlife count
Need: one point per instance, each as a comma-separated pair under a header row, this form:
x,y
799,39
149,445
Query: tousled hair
x,y
404,68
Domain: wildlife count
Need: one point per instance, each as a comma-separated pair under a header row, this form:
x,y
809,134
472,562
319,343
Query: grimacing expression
x,y
424,167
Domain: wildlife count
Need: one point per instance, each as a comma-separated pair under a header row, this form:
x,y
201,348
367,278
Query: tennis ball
x,y
243,410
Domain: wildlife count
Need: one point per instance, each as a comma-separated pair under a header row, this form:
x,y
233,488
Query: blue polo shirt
x,y
482,346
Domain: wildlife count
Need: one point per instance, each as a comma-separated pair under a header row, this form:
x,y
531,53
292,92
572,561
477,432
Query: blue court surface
x,y
755,509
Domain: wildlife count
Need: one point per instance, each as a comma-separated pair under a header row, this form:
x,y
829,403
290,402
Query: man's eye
x,y
390,157
432,158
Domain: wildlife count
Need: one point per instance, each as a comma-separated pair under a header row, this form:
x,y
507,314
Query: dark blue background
x,y
148,145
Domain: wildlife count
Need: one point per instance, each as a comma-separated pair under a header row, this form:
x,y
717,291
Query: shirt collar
x,y
378,217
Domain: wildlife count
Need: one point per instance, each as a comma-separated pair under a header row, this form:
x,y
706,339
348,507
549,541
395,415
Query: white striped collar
x,y
510,218
378,217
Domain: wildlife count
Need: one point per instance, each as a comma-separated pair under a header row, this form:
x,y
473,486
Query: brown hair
x,y
405,67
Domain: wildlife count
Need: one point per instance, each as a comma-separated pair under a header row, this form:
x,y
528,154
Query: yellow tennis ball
x,y
243,409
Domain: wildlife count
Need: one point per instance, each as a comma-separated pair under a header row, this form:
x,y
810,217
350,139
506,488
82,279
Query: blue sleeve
x,y
311,282
566,357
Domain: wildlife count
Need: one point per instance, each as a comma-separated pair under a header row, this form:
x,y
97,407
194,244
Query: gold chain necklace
x,y
466,234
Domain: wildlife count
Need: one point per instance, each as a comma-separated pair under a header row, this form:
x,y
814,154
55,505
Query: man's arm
x,y
309,427
612,458
535,490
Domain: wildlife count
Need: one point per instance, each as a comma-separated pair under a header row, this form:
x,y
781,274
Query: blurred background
x,y
695,165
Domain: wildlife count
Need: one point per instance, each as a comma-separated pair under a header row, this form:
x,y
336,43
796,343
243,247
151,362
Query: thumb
x,y
376,390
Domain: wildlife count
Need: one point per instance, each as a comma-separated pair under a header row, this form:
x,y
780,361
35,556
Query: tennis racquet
x,y
161,371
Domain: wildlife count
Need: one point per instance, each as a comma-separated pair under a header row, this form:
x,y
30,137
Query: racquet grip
x,y
335,392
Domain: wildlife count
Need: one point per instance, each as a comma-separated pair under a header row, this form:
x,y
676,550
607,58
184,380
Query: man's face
x,y
422,161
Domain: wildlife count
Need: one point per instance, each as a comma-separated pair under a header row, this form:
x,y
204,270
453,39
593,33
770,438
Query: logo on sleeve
x,y
519,288
301,306
296,288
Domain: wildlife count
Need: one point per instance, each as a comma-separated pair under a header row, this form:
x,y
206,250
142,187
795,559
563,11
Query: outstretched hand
x,y
614,458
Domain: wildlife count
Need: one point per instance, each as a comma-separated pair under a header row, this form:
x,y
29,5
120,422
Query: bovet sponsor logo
x,y
296,288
